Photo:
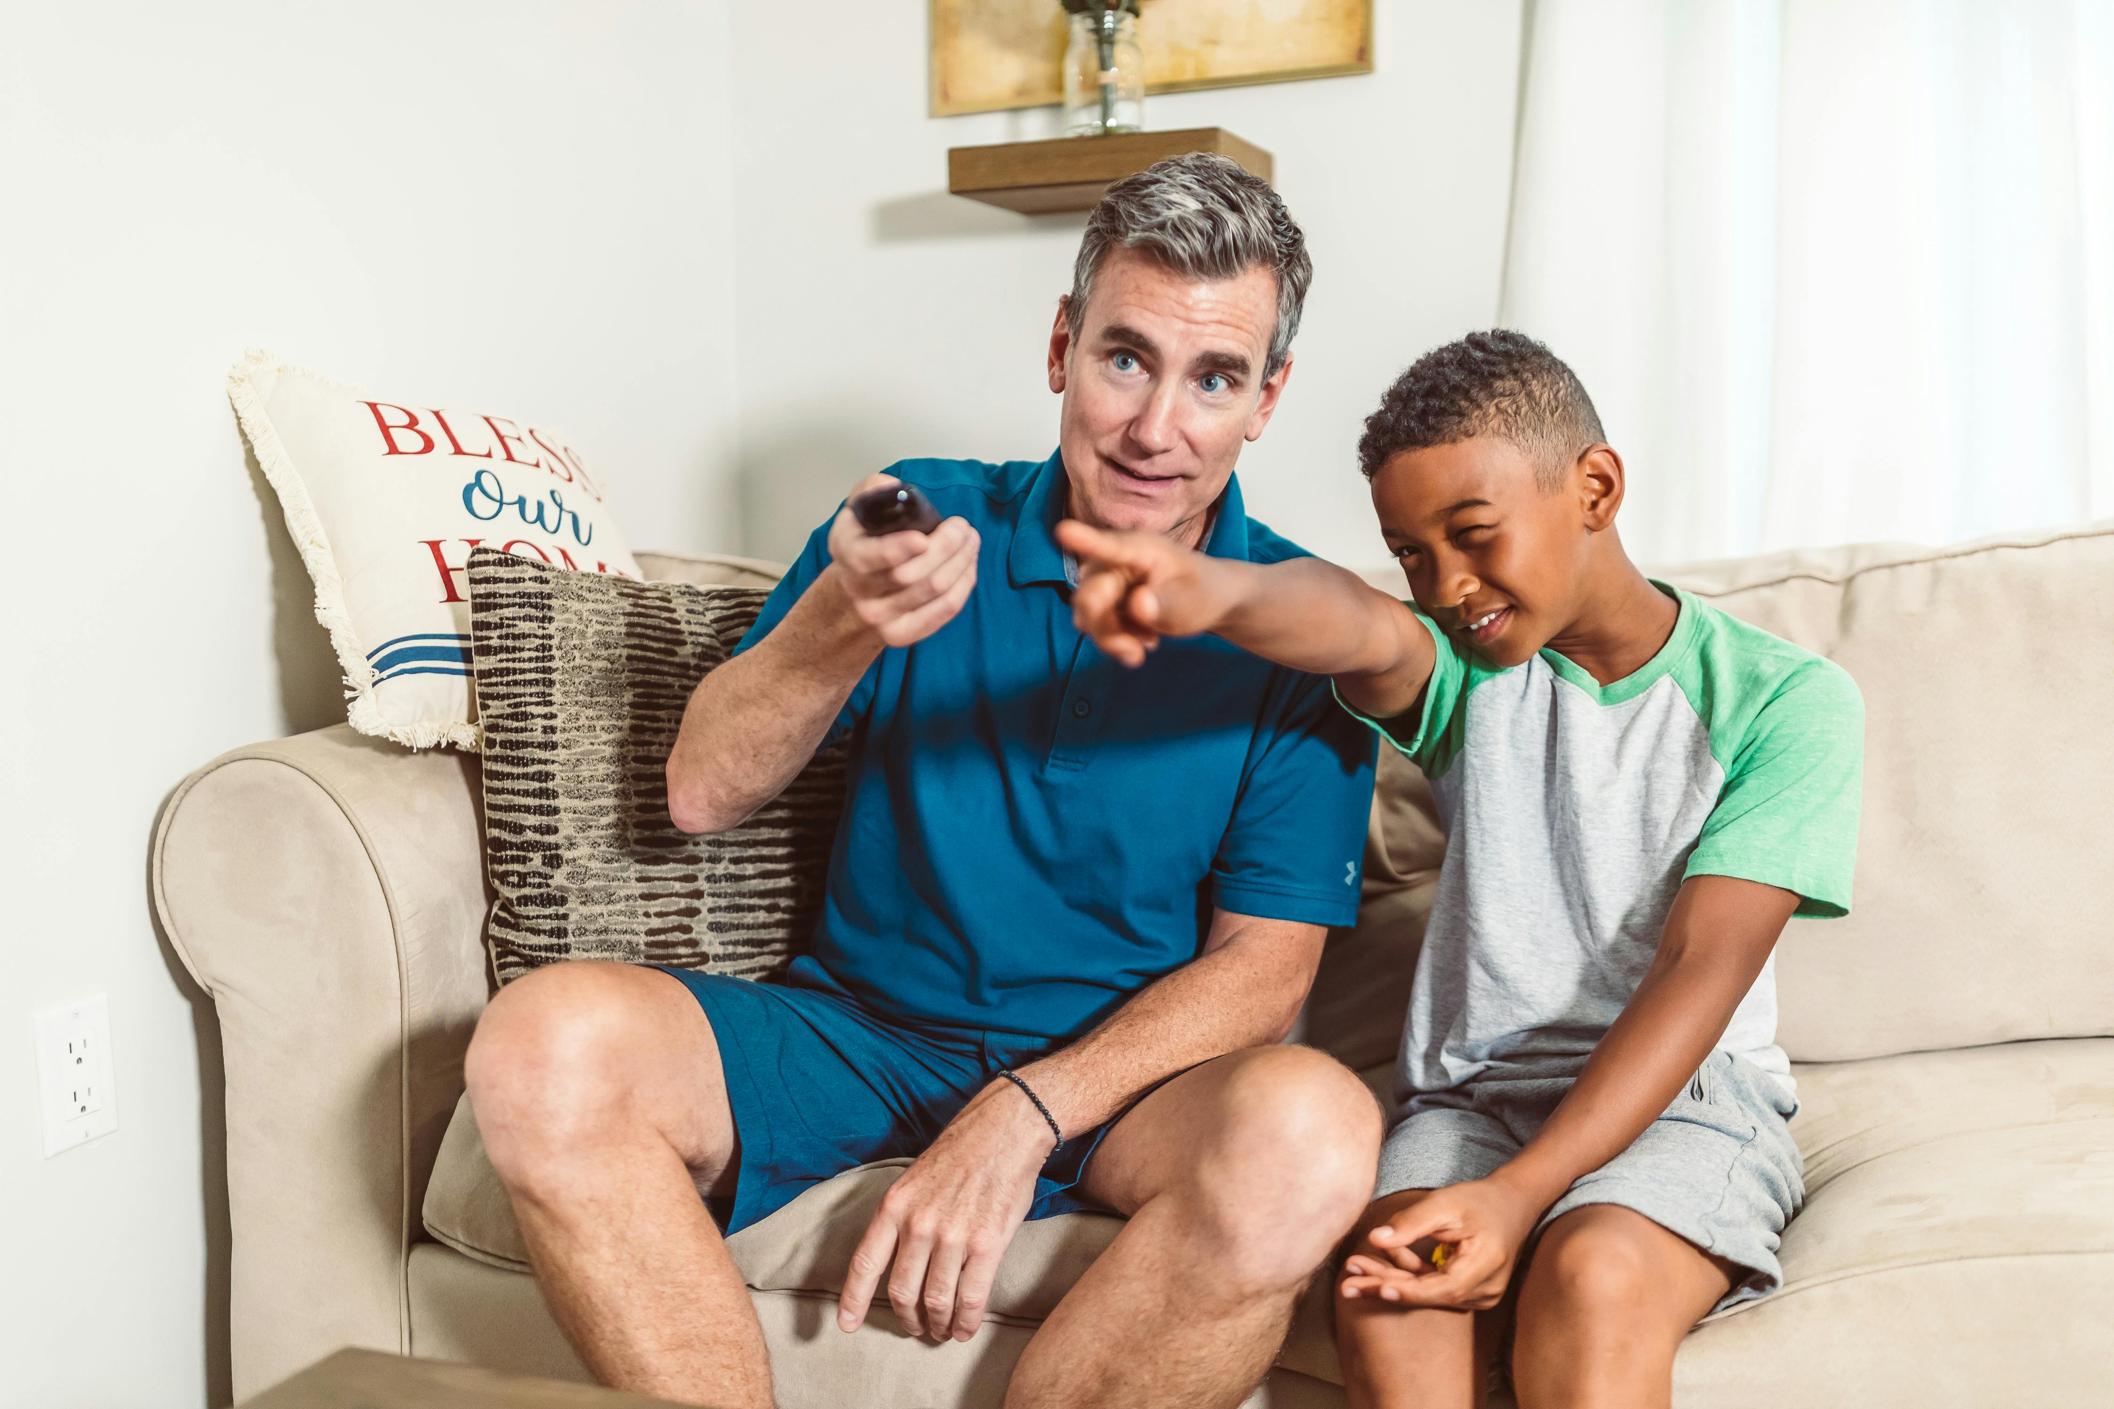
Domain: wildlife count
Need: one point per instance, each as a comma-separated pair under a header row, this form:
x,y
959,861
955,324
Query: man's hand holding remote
x,y
905,585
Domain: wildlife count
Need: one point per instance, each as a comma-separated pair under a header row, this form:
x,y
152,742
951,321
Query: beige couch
x,y
1952,1037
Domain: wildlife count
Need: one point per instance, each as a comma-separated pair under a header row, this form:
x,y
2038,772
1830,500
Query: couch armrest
x,y
328,891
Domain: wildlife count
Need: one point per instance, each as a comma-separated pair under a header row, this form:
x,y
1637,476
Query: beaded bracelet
x,y
1056,1132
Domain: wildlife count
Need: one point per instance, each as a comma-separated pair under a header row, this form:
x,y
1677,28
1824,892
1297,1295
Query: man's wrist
x,y
1030,1113
842,639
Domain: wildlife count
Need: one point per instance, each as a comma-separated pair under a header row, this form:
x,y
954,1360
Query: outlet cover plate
x,y
75,1072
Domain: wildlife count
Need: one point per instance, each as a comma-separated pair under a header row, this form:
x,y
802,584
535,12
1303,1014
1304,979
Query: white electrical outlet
x,y
73,1060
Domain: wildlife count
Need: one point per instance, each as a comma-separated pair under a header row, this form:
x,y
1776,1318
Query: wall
x,y
882,318
517,205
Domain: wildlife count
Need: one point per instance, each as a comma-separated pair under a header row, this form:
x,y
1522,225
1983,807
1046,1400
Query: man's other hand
x,y
943,1226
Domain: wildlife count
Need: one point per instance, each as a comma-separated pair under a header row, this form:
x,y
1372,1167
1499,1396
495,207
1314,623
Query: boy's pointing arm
x,y
1303,613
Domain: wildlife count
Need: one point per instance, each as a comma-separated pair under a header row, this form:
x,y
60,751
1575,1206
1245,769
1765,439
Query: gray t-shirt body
x,y
1574,811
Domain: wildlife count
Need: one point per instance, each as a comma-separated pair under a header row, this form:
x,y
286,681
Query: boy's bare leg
x,y
1397,1357
1607,1300
1238,1178
599,1095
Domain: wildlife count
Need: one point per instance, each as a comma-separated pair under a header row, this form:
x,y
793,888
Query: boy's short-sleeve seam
x,y
1815,900
1448,673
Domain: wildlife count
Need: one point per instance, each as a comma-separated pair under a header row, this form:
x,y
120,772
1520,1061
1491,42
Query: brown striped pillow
x,y
581,681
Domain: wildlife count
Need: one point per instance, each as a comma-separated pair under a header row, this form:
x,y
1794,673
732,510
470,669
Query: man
x,y
1071,913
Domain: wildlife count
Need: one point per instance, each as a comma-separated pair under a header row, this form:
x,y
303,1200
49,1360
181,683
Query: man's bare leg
x,y
1239,1178
598,1091
1398,1357
1608,1299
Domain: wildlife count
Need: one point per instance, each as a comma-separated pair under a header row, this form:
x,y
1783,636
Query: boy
x,y
1639,791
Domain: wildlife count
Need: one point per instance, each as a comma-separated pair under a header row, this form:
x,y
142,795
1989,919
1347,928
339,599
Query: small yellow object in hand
x,y
1440,1256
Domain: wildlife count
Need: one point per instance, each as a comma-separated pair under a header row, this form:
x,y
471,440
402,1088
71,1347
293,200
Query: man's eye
x,y
1212,383
1124,361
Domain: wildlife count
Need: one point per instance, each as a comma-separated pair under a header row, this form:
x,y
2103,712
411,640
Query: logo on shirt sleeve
x,y
1350,873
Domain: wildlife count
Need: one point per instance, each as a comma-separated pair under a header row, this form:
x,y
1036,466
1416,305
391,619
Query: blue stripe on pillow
x,y
420,636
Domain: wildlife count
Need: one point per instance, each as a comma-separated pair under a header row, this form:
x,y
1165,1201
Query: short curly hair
x,y
1497,383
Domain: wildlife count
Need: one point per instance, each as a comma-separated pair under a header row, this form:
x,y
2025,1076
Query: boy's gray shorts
x,y
1718,1168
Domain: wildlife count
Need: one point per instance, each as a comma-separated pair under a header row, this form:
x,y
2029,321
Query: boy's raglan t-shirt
x,y
1575,810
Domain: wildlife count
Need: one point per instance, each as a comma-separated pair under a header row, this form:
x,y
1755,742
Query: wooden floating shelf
x,y
1070,173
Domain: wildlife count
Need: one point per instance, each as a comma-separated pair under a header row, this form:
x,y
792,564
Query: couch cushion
x,y
1918,1166
461,1310
582,684
1927,1175
805,1246
1980,908
710,569
1960,1210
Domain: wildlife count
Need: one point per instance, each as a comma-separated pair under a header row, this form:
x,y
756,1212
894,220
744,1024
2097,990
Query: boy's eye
x,y
1474,533
1405,553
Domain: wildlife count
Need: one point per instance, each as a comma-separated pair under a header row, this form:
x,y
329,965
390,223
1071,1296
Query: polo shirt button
x,y
1082,708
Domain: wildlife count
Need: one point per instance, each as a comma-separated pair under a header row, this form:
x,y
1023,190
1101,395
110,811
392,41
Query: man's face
x,y
1160,389
1476,534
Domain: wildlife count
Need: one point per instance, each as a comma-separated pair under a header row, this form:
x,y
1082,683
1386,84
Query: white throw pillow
x,y
385,499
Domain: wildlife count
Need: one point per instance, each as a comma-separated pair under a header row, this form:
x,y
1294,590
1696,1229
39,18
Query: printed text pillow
x,y
385,500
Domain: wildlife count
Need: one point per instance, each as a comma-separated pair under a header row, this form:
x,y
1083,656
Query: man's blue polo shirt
x,y
1032,832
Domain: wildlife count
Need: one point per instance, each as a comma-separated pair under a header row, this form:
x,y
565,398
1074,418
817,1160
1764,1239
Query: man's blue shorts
x,y
818,1085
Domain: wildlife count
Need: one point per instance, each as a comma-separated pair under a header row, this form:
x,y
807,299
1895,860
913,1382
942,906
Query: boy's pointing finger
x,y
1083,540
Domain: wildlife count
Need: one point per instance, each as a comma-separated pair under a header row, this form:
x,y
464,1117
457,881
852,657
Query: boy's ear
x,y
1598,476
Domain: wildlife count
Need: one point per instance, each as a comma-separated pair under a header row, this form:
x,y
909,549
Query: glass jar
x,y
1104,70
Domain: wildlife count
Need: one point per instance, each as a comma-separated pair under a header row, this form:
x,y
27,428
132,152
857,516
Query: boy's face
x,y
1495,560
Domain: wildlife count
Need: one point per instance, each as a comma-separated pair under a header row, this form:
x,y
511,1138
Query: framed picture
x,y
989,55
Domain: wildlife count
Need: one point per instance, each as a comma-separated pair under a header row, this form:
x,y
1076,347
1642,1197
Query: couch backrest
x,y
710,570
1984,906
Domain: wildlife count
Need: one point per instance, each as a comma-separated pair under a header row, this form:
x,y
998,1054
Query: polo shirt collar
x,y
1035,556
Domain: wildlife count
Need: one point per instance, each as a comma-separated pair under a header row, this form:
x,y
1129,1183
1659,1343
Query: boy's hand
x,y
1135,588
1483,1223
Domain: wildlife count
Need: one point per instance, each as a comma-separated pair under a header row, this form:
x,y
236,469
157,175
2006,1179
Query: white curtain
x,y
1833,270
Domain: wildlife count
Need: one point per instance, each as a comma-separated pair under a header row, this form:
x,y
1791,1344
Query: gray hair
x,y
1203,217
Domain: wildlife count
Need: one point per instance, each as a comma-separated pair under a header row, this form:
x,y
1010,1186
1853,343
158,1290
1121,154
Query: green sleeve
x,y
1787,814
1427,731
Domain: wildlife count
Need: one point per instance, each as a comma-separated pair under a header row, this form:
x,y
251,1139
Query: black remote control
x,y
893,508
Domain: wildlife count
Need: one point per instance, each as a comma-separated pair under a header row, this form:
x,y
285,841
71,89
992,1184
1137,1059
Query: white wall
x,y
520,205
881,317
586,213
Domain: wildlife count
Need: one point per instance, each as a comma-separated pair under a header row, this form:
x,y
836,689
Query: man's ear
x,y
1598,475
1060,342
1266,404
